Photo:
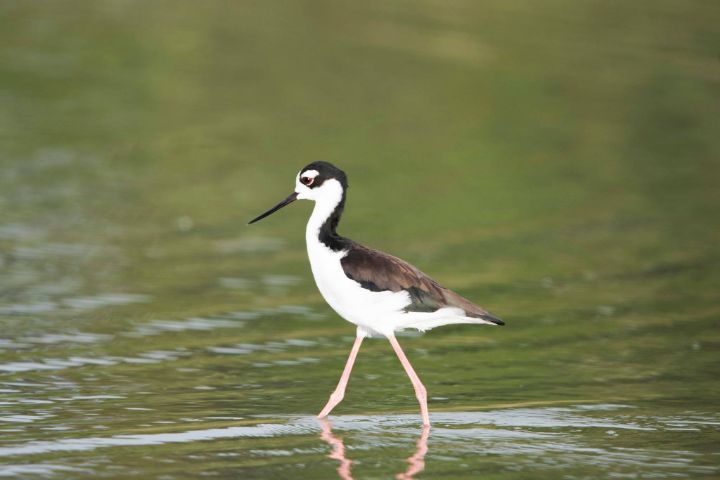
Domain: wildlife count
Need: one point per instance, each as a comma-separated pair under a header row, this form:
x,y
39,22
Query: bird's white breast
x,y
375,312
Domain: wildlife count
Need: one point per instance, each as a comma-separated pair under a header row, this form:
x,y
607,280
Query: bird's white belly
x,y
376,312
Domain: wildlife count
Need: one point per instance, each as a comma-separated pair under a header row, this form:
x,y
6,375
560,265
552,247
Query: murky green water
x,y
556,162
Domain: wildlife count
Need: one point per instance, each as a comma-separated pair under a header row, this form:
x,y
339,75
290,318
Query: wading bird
x,y
379,293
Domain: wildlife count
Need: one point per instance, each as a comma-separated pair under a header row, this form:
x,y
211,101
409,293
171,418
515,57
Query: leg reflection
x,y
338,447
416,462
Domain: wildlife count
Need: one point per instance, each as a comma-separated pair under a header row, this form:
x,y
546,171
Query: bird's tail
x,y
445,316
492,318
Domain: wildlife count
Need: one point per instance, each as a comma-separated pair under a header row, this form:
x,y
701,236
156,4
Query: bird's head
x,y
320,182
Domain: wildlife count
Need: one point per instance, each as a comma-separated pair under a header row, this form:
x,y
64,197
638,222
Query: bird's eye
x,y
306,181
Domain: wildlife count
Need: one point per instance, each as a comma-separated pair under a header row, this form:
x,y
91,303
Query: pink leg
x,y
339,393
420,391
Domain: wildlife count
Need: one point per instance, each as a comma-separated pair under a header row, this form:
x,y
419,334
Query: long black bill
x,y
287,201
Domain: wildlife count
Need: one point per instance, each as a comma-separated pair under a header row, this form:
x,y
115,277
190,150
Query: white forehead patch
x,y
304,183
310,173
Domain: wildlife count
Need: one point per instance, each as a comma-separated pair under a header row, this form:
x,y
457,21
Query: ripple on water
x,y
19,418
269,346
279,282
237,283
89,397
554,417
249,245
547,438
70,337
157,327
53,250
73,303
19,231
7,344
39,469
153,356
295,310
32,308
302,426
105,300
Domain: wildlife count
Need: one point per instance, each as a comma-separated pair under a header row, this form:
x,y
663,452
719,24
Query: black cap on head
x,y
325,171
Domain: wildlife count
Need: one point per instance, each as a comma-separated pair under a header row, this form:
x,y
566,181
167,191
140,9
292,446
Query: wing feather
x,y
378,271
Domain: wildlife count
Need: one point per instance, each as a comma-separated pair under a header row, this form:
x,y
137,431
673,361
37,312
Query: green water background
x,y
557,162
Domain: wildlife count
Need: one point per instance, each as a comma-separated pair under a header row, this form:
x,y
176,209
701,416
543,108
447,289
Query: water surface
x,y
555,163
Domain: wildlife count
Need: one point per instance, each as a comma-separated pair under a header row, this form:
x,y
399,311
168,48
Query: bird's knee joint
x,y
421,393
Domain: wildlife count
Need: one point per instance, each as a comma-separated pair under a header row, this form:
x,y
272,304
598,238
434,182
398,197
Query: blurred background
x,y
557,162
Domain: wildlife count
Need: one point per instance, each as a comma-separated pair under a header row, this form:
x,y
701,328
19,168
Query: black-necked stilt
x,y
379,293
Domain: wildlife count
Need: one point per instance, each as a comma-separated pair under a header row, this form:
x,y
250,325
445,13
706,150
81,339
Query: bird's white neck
x,y
329,202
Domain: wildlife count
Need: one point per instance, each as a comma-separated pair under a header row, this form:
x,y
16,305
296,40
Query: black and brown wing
x,y
378,272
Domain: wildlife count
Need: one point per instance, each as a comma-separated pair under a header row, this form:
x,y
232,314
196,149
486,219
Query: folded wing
x,y
378,271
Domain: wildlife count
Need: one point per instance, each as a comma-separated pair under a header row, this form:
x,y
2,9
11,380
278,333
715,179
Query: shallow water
x,y
555,163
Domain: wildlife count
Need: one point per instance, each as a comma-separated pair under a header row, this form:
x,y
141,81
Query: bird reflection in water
x,y
416,462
